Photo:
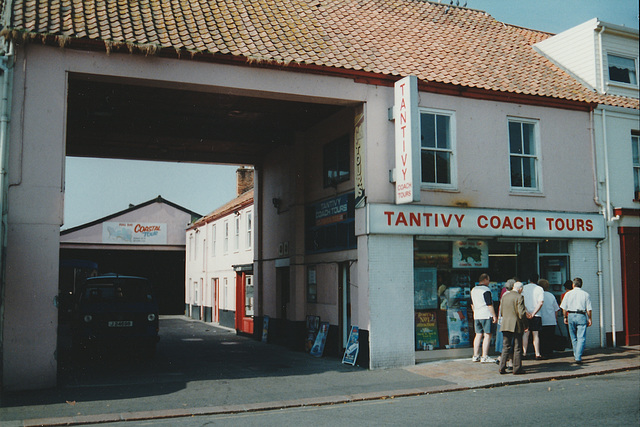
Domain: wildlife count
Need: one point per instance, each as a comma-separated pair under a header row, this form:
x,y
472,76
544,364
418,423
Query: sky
x,y
95,188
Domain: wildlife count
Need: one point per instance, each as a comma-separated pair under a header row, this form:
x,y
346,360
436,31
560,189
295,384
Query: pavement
x,y
234,374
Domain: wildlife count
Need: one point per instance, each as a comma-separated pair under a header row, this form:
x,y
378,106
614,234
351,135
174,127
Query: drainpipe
x,y
596,199
6,66
600,51
610,223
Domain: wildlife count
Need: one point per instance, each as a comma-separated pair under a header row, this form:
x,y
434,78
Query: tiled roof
x,y
240,202
438,43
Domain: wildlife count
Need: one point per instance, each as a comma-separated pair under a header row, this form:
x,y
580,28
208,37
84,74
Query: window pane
x,y
622,69
516,172
442,167
529,172
336,164
428,166
635,149
428,130
515,138
529,142
443,131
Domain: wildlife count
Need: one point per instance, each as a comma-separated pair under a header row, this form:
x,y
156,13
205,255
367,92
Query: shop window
x,y
442,285
523,154
335,166
635,149
622,70
437,148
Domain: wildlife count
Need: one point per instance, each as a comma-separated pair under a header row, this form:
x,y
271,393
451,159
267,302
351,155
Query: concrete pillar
x,y
36,156
390,277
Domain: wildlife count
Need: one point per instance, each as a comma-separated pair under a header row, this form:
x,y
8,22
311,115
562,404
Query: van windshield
x,y
118,291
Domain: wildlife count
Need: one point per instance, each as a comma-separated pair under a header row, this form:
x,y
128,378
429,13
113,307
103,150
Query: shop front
x,y
453,246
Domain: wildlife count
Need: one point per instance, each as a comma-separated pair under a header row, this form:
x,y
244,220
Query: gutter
x,y
6,85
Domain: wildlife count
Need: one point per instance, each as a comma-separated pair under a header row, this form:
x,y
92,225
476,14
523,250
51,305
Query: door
x,y
629,254
282,291
244,302
344,303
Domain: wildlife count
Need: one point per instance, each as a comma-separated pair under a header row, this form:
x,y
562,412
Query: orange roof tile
x,y
438,43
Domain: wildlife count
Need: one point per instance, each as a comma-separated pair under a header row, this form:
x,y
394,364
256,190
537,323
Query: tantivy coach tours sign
x,y
452,221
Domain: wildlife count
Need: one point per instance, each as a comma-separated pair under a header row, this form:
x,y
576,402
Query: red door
x,y
244,302
629,244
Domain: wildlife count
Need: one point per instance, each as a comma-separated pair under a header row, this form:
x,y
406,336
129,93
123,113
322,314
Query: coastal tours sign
x,y
134,233
407,136
452,221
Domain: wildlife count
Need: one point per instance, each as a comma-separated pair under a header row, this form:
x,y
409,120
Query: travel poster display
x,y
313,324
471,254
265,328
426,330
458,325
425,287
353,346
321,339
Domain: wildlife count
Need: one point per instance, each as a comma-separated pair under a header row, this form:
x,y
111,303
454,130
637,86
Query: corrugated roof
x,y
438,43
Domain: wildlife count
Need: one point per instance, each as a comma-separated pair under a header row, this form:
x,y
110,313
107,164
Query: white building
x,y
307,99
219,265
604,57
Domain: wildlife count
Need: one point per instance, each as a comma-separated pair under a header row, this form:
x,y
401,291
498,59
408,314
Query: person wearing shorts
x,y
533,301
484,315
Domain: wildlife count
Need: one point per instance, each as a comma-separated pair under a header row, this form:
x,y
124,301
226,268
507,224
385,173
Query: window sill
x,y
519,192
443,189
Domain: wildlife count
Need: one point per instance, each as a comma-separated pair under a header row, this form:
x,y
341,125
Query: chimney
x,y
245,179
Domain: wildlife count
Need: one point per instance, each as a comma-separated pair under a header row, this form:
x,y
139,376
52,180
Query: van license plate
x,y
120,324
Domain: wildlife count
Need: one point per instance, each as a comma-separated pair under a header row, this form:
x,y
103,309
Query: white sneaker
x,y
475,359
488,359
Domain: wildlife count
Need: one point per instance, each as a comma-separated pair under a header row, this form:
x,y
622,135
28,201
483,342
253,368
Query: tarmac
x,y
279,378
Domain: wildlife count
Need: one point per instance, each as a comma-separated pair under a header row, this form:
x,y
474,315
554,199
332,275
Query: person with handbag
x,y
548,314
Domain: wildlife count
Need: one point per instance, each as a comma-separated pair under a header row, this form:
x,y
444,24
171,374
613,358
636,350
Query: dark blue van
x,y
116,311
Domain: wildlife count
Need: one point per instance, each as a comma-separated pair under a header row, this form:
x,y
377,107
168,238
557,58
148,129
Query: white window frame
x,y
536,156
213,240
225,247
453,168
236,236
249,234
635,71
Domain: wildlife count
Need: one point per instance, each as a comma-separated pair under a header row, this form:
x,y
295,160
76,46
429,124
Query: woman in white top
x,y
548,314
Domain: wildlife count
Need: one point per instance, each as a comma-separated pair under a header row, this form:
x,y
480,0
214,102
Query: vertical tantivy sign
x,y
358,141
407,121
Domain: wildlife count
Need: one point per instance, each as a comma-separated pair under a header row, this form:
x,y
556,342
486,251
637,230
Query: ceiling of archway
x,y
116,120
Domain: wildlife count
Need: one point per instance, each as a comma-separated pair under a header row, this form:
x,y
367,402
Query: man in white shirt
x,y
533,301
483,314
576,307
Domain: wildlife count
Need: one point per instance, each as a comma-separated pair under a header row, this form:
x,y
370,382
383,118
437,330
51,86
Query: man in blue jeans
x,y
576,307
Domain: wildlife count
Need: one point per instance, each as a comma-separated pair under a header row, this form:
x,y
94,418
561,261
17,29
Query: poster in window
x,y
425,286
458,325
426,330
470,254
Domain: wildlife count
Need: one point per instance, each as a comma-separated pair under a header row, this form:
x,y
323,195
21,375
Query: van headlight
x,y
151,317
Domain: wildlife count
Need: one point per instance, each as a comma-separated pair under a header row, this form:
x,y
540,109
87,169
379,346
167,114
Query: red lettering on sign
x,y
401,219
